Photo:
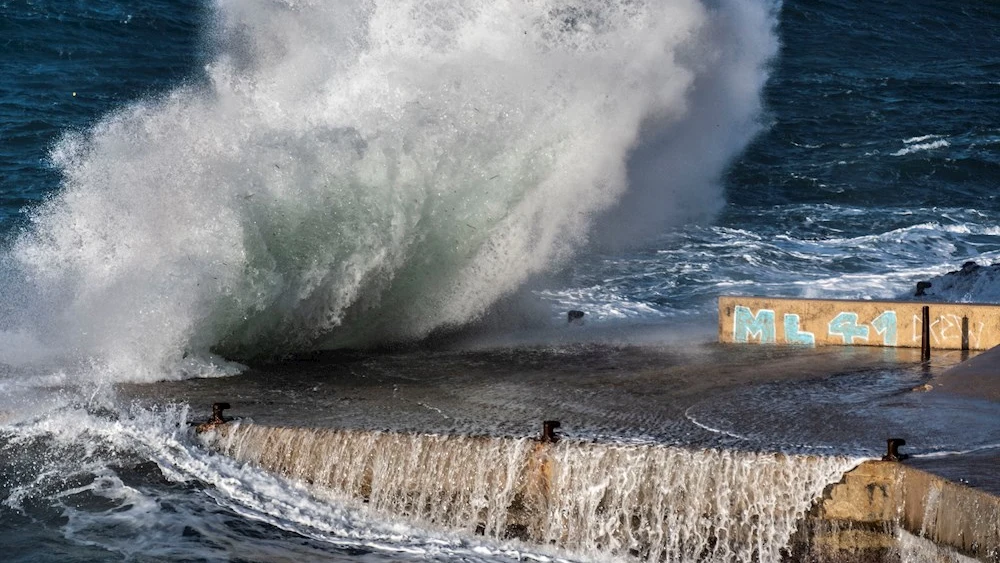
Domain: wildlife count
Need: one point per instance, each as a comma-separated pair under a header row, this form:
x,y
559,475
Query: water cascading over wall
x,y
643,502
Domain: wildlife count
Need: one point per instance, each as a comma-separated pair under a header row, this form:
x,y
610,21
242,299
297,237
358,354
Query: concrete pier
x,y
818,322
609,484
520,493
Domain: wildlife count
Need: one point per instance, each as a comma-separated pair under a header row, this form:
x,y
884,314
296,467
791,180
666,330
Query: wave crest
x,y
365,172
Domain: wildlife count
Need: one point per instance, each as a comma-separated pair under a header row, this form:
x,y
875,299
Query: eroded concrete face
x,y
819,322
860,518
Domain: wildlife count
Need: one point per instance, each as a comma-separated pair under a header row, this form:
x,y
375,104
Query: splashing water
x,y
601,500
95,483
362,172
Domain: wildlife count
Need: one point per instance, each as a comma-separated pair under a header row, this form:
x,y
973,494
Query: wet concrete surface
x,y
830,400
979,469
977,377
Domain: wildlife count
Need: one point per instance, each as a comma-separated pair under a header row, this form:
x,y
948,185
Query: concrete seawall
x,y
626,502
857,519
585,497
816,322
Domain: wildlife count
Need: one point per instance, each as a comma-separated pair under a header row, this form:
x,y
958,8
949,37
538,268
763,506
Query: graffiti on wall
x,y
846,326
945,328
794,335
812,322
760,326
747,325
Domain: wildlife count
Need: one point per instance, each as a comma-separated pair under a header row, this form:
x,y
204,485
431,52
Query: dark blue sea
x,y
190,187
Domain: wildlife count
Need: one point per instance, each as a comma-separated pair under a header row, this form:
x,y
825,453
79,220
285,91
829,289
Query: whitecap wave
x,y
918,147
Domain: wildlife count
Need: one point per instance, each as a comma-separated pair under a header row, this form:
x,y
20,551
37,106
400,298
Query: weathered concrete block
x,y
859,516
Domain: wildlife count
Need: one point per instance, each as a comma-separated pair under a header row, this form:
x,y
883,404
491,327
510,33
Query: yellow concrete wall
x,y
818,322
946,513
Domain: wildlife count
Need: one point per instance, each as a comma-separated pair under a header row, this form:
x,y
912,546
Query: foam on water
x,y
363,172
973,283
818,251
132,482
917,147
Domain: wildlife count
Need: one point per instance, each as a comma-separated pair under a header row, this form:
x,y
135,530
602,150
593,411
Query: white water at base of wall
x,y
594,500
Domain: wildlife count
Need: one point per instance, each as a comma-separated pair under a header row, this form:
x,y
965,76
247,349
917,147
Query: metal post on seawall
x,y
892,450
925,334
549,435
217,418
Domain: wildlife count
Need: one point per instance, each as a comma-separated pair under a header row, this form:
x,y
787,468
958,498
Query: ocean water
x,y
188,188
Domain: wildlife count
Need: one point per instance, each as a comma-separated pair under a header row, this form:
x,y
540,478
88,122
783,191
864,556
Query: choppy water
x,y
187,185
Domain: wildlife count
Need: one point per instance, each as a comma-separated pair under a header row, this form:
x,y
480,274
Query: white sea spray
x,y
361,172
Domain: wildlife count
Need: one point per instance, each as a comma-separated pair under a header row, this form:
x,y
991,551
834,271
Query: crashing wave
x,y
366,172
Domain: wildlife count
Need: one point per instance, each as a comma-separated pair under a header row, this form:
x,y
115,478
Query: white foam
x,y
78,462
920,139
978,286
602,304
940,143
353,172
947,453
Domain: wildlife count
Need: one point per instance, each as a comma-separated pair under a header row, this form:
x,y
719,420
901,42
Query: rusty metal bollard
x,y
892,453
217,418
549,435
